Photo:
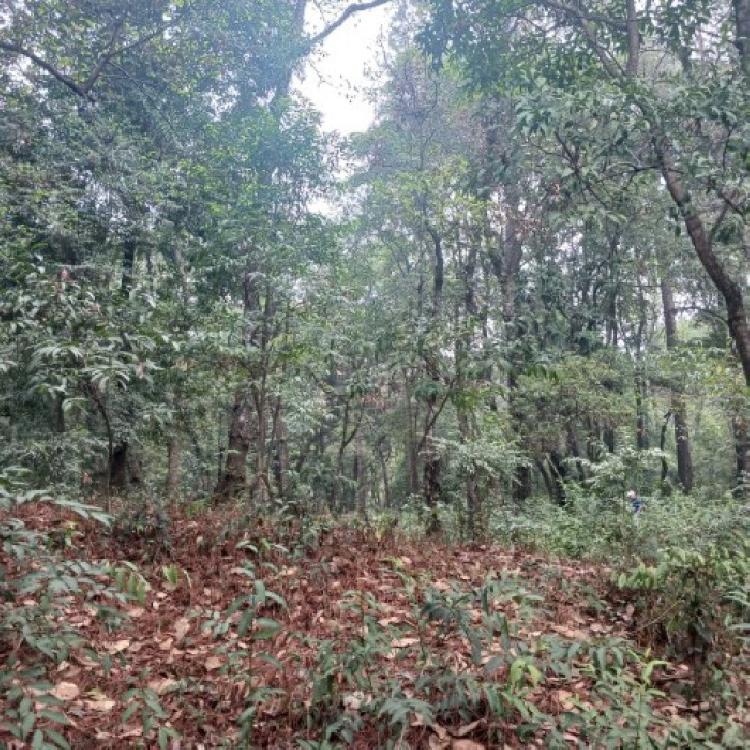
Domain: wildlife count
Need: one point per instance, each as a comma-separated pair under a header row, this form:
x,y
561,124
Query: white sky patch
x,y
335,79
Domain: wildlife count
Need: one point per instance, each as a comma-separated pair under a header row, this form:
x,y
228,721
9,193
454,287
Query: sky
x,y
335,79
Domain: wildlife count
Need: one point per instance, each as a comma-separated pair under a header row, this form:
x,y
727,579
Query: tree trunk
x,y
59,413
662,447
571,442
728,288
677,398
233,480
281,459
362,477
383,457
639,380
412,456
174,468
558,474
124,467
742,451
641,426
742,33
431,484
128,264
507,268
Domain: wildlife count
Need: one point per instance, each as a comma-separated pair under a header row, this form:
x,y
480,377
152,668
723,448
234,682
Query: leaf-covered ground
x,y
370,640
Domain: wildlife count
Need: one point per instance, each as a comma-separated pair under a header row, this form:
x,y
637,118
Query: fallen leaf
x,y
467,745
353,701
385,621
66,691
566,699
131,731
162,685
102,704
116,647
572,633
181,628
466,729
436,743
404,642
213,662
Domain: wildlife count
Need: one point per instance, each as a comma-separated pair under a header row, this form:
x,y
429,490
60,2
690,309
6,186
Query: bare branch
x,y
44,65
104,59
343,18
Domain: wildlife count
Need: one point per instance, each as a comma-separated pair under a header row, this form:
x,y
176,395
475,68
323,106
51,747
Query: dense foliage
x,y
527,296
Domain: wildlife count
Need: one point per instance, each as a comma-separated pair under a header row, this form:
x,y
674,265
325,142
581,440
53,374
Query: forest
x,y
433,435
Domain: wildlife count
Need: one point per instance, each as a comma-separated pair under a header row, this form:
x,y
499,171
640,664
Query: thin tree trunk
x,y
663,446
384,470
677,397
174,467
128,264
362,478
281,463
742,452
412,457
742,33
431,483
639,380
572,447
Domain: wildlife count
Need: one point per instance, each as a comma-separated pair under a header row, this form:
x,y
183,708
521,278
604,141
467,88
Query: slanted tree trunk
x,y
677,397
729,289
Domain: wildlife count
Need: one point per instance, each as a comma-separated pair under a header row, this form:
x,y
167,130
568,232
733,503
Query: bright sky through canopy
x,y
335,80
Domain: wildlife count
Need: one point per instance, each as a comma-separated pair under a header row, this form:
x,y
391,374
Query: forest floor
x,y
353,620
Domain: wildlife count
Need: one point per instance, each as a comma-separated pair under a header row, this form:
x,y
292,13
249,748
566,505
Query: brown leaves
x,y
66,691
116,647
404,642
163,685
213,662
99,702
172,647
181,628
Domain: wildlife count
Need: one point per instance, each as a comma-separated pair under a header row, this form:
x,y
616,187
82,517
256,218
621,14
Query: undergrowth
x,y
402,657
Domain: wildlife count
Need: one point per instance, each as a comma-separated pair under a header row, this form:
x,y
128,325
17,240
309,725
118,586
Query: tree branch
x,y
44,65
343,18
104,59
